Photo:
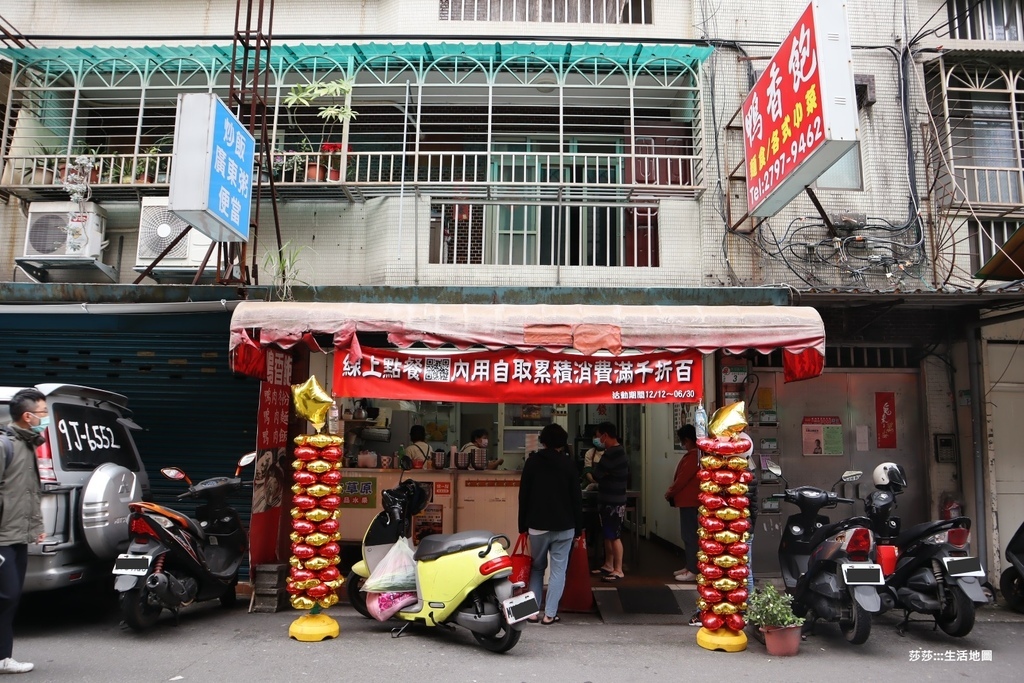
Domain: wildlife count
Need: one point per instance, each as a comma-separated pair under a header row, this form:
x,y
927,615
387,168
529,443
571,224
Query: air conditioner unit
x,y
62,232
157,228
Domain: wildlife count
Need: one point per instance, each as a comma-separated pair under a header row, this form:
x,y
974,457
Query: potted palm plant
x,y
330,155
773,612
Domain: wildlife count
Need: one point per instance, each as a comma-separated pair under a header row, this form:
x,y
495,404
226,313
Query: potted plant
x,y
330,114
772,611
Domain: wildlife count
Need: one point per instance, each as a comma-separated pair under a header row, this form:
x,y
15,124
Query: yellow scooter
x,y
461,579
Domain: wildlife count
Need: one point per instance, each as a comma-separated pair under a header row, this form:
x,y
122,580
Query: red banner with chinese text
x,y
513,376
270,478
885,419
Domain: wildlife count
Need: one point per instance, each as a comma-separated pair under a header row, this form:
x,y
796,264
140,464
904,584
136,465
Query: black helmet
x,y
890,477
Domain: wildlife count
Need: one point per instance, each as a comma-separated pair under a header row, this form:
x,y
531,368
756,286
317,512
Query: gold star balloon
x,y
311,402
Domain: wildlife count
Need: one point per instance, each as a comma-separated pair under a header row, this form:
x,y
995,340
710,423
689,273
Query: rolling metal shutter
x,y
194,412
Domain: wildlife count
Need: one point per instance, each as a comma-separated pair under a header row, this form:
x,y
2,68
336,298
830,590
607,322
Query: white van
x,y
90,470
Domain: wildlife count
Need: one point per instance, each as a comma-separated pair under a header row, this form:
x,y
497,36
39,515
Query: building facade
x,y
571,150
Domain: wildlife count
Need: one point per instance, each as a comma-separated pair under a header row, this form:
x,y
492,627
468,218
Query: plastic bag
x,y
396,571
383,606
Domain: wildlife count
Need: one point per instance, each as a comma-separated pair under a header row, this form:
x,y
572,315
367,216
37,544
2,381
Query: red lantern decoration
x,y
303,526
710,593
329,574
318,591
739,525
304,502
746,477
704,475
739,572
738,549
712,502
725,477
738,502
301,574
329,526
331,453
737,597
304,478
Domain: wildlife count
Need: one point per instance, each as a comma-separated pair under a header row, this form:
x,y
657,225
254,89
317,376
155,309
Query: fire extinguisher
x,y
951,509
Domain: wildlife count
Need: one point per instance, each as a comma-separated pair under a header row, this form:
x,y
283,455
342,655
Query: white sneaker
x,y
12,666
685,577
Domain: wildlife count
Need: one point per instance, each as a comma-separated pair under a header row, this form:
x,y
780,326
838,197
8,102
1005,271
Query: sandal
x,y
534,619
600,571
613,577
553,620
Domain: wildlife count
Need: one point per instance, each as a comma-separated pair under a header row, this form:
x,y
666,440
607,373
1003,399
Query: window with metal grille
x,y
986,239
985,19
863,357
548,11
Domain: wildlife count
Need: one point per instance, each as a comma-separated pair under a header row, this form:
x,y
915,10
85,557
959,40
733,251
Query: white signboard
x,y
211,169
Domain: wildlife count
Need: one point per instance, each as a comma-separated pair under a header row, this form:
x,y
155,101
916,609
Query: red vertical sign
x,y
885,419
271,443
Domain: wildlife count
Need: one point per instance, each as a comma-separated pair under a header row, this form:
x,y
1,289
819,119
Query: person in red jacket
x,y
682,494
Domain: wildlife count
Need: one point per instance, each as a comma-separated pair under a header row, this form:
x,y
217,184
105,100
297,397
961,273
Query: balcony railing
x,y
987,188
366,174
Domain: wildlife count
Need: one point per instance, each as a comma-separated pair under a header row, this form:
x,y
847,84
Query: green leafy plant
x,y
306,94
284,266
769,608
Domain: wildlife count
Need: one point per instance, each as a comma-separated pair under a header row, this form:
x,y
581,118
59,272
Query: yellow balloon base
x,y
311,628
724,639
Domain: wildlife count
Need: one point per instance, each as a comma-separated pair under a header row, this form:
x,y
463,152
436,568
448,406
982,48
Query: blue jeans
x,y
750,563
558,543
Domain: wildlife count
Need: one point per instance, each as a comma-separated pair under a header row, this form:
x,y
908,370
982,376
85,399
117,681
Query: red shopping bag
x,y
521,560
578,596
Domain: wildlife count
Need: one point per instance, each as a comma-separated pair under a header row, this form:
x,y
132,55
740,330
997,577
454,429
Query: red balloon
x,y
328,526
303,526
291,588
331,453
706,443
746,476
711,502
738,573
710,593
738,444
711,547
735,622
704,475
303,551
712,524
331,477
738,502
304,478
330,549
740,525
737,596
725,477
304,502
711,621
329,574
330,502
301,574
318,591
306,453
738,549
711,571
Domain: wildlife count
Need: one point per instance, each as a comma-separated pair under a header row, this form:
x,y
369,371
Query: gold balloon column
x,y
314,579
723,516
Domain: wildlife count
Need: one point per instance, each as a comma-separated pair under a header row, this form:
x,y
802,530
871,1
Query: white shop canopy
x,y
798,331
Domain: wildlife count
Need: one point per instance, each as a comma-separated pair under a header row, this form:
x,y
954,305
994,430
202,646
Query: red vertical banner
x,y
885,419
271,448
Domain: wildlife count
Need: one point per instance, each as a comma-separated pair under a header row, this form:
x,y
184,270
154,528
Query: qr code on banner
x,y
437,370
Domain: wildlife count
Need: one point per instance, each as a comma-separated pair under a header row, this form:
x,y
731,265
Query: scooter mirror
x,y
772,467
174,473
852,475
247,459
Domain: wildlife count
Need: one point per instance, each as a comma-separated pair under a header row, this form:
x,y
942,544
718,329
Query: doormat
x,y
648,600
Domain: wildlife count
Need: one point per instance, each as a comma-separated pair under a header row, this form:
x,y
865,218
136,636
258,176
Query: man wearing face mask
x,y
21,519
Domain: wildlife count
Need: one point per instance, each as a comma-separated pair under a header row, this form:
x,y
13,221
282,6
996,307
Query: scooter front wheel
x,y
136,611
356,594
1011,585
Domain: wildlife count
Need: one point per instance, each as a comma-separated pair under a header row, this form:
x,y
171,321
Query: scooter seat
x,y
437,545
196,530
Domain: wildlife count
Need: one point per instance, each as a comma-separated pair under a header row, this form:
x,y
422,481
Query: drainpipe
x,y
977,452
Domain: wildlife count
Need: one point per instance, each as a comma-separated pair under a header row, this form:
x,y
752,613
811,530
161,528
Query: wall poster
x,y
822,435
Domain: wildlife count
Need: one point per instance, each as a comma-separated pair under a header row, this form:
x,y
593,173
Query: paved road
x,y
73,642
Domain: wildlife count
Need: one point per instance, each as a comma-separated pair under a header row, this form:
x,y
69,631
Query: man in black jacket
x,y
612,476
551,510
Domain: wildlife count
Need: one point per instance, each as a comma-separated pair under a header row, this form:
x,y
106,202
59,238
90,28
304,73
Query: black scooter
x,y
1011,583
174,560
828,567
934,573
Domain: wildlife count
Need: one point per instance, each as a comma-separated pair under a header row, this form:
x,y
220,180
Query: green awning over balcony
x,y
285,56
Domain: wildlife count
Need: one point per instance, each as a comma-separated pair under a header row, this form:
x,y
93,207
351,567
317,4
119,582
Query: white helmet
x,y
890,477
